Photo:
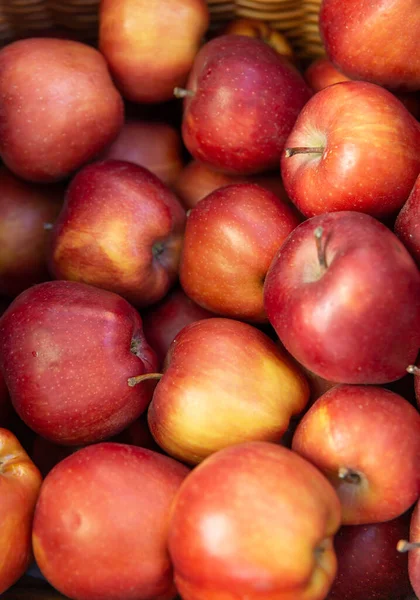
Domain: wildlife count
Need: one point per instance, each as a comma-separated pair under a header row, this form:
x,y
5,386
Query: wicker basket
x,y
297,19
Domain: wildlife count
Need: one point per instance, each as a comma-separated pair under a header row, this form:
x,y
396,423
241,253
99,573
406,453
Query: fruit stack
x,y
210,300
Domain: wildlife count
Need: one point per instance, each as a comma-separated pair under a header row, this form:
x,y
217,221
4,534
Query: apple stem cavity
x,y
133,381
303,150
322,259
413,370
405,546
349,475
183,93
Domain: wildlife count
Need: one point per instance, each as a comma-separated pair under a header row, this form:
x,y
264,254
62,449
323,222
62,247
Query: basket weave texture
x,y
297,19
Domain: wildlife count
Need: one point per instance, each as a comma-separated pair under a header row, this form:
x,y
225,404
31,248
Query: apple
x,y
254,521
67,351
154,145
374,41
343,294
413,546
59,107
407,224
149,46
5,406
224,382
321,73
120,229
27,212
230,240
349,433
369,565
20,482
163,321
256,28
106,508
241,101
353,147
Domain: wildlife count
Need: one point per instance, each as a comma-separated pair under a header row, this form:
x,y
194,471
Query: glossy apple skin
x,y
120,229
324,319
246,523
371,40
369,157
154,145
356,427
66,352
414,555
59,107
106,508
196,181
150,47
246,100
231,237
407,225
322,73
369,565
20,482
25,209
163,321
225,382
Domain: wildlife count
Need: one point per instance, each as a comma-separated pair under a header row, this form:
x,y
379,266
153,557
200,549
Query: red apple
x,y
27,212
101,521
120,229
149,46
254,521
343,295
5,406
369,565
67,351
154,145
353,147
414,547
20,482
322,73
241,102
366,440
163,321
407,225
196,181
375,41
230,240
224,382
59,107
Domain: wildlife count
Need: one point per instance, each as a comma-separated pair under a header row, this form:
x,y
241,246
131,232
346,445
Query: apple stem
x,y
404,546
413,370
183,93
303,150
318,233
48,226
140,378
348,475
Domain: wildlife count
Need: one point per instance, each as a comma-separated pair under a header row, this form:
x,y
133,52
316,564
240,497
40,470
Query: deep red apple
x,y
224,382
365,469
375,41
241,102
413,546
163,321
20,482
120,229
59,107
101,522
369,565
231,237
150,46
27,212
196,181
343,295
67,351
353,147
254,521
154,145
407,225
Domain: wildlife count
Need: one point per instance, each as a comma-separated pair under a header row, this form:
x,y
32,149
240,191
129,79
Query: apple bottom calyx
x,y
133,381
349,475
303,150
405,546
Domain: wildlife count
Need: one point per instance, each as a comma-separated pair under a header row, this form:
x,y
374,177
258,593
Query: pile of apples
x,y
203,366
